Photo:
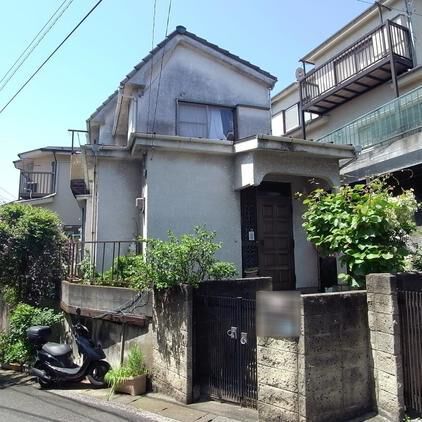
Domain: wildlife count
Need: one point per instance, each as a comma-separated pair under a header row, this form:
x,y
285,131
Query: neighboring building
x,y
365,89
44,182
177,146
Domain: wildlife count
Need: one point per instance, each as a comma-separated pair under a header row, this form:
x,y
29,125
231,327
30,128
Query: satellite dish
x,y
300,73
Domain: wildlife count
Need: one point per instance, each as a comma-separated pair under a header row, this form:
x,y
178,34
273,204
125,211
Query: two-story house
x,y
44,182
185,141
363,86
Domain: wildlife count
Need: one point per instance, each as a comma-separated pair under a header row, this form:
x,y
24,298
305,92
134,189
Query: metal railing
x,y
394,118
367,51
36,184
96,261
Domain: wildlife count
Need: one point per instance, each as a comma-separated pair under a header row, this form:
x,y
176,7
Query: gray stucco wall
x,y
117,189
185,190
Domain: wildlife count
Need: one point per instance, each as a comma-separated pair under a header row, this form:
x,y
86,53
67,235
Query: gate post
x,y
384,328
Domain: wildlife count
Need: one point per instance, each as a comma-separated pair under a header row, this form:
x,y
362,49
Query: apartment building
x,y
363,86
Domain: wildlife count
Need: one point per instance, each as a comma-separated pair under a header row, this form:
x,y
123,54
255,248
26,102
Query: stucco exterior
x,y
145,178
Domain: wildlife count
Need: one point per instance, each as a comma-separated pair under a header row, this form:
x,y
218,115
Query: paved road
x,y
22,401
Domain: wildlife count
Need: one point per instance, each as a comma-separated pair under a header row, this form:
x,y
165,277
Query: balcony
x,y
34,185
396,118
369,62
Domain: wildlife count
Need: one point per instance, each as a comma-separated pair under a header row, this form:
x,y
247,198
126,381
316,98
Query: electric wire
x,y
50,56
161,68
33,45
152,61
389,7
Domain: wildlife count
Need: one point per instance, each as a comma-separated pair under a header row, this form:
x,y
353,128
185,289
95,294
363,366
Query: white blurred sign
x,y
277,314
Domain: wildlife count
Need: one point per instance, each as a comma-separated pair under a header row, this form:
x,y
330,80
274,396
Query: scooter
x,y
54,363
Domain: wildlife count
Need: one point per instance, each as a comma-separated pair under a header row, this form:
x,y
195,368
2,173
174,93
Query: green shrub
x,y
366,224
14,344
132,367
31,252
223,270
187,259
416,259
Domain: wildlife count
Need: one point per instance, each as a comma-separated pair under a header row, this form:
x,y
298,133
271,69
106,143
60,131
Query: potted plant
x,y
131,377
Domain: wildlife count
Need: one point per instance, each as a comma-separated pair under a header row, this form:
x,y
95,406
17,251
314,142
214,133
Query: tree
x,y
366,224
31,252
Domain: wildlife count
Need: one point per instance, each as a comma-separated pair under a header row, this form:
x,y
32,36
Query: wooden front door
x,y
275,238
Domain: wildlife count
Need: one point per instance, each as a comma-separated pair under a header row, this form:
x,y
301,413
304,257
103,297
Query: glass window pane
x,y
278,124
292,117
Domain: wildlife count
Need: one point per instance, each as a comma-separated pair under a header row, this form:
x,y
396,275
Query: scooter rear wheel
x,y
42,383
97,373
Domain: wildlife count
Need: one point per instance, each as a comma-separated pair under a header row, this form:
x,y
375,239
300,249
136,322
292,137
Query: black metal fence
x,y
410,308
386,39
99,260
225,348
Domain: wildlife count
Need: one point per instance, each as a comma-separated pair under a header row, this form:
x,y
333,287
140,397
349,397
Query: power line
x,y
34,44
161,67
7,192
152,59
51,55
392,8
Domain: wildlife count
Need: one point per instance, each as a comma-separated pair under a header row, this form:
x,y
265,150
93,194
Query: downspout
x,y
412,33
53,182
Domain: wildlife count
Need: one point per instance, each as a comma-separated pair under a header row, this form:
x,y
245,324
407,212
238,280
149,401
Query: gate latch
x,y
243,338
232,333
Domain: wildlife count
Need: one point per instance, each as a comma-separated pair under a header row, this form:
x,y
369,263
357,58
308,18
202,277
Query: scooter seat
x,y
56,349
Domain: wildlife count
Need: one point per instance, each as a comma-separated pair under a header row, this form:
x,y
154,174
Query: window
x,y
291,117
205,121
278,124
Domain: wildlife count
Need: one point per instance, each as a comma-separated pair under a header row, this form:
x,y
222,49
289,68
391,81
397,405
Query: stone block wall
x,y
172,343
384,326
335,379
324,375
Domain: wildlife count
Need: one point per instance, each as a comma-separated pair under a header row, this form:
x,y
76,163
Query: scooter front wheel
x,y
96,373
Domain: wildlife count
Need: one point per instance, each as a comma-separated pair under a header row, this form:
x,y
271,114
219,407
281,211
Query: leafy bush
x,y
133,367
31,246
14,346
364,223
416,259
222,270
187,259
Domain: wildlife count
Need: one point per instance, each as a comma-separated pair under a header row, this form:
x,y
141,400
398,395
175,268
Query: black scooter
x,y
54,363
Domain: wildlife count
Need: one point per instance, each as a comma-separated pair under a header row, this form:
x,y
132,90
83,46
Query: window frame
x,y
206,105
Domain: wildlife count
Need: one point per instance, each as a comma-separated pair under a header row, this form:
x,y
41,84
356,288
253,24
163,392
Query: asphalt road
x,y
23,401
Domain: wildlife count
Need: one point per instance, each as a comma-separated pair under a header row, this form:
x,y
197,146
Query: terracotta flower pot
x,y
134,386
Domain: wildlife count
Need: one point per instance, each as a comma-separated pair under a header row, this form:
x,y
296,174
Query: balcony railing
x,y
36,184
395,118
360,67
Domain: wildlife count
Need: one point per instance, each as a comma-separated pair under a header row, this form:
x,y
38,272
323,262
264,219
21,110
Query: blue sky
x,y
272,34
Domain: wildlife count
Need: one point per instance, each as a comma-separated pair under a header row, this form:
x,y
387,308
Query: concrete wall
x,y
4,315
185,190
324,375
115,338
384,325
172,349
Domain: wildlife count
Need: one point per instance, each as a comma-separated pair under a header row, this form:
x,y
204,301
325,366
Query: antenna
x,y
300,73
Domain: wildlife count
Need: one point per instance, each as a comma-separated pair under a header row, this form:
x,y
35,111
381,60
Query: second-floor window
x,y
205,121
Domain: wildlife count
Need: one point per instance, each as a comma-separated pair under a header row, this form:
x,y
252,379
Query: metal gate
x,y
410,307
225,349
